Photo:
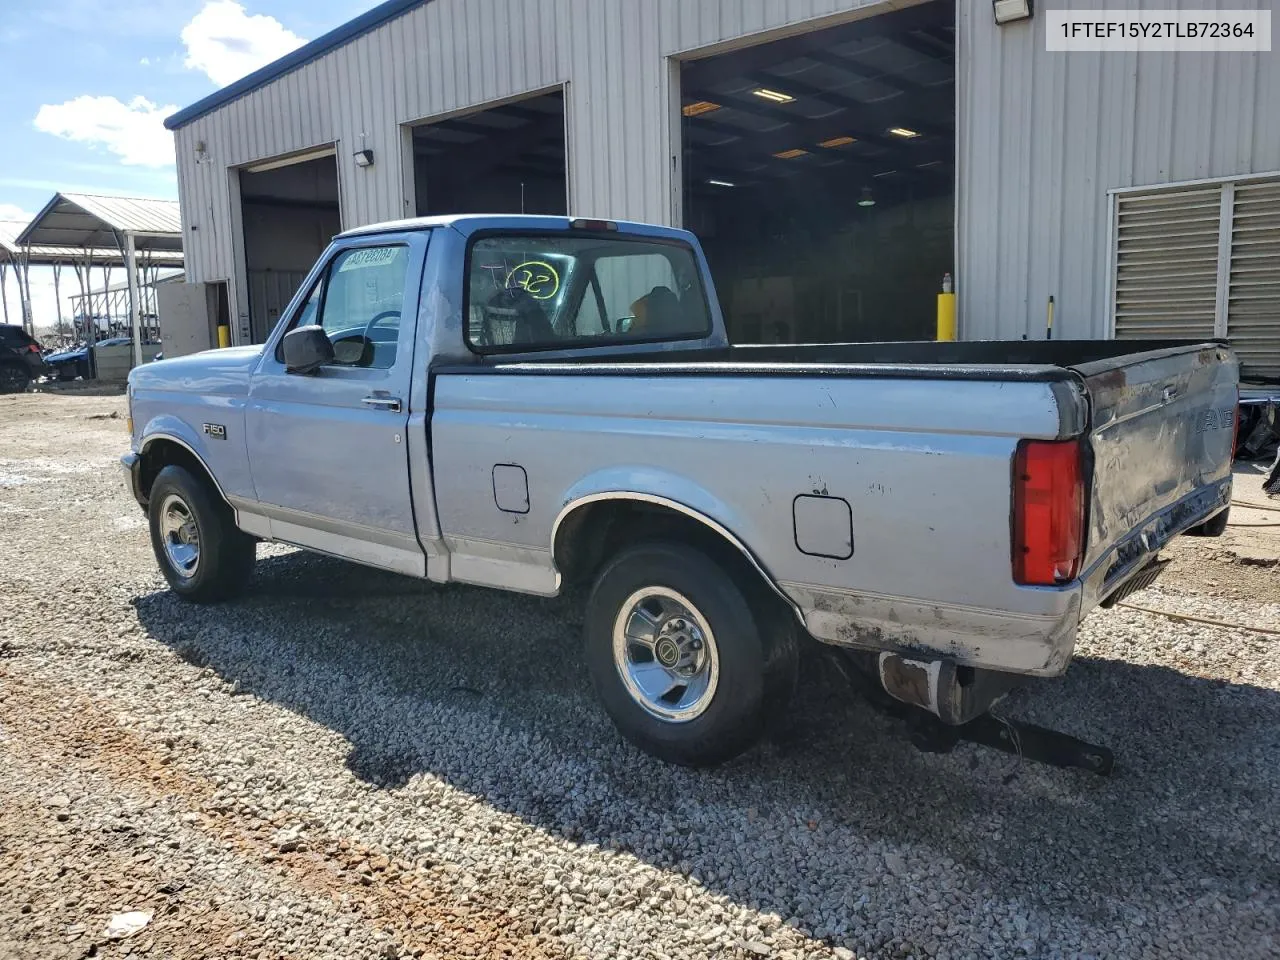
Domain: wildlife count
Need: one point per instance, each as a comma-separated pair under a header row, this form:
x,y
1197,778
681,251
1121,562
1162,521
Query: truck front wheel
x,y
678,658
201,552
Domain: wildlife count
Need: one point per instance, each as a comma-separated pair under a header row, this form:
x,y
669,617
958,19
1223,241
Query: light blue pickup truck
x,y
524,402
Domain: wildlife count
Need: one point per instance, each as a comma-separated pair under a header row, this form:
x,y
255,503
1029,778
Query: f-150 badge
x,y
216,430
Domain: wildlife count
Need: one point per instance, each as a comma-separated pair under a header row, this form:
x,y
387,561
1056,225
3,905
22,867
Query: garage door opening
x,y
506,159
819,172
290,212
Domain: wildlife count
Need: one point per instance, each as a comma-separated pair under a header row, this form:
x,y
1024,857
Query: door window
x,y
358,301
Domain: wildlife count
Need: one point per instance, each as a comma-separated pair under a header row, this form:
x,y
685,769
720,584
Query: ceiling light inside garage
x,y
837,142
721,183
790,154
699,108
773,96
905,132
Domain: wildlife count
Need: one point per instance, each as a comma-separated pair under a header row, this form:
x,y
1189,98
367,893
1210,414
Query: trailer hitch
x,y
872,675
1026,740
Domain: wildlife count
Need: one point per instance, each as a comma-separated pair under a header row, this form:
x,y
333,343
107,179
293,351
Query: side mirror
x,y
306,349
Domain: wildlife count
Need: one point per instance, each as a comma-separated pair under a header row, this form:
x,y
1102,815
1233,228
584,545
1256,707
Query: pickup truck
x,y
528,402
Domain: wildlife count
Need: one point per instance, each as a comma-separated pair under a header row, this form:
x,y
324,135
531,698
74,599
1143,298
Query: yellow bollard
x,y
224,335
946,311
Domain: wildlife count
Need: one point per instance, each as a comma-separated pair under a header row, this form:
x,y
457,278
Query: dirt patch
x,y
1203,568
370,887
1242,564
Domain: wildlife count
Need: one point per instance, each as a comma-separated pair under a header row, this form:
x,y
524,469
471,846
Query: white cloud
x,y
133,131
11,211
144,62
226,43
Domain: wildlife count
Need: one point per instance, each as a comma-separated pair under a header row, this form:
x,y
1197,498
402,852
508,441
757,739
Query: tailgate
x,y
1162,427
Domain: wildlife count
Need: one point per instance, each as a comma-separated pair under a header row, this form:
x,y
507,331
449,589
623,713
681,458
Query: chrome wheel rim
x,y
180,536
666,654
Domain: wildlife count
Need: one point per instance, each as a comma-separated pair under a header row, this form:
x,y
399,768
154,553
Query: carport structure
x,y
109,231
112,300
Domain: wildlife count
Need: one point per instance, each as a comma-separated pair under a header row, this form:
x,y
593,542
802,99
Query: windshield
x,y
553,291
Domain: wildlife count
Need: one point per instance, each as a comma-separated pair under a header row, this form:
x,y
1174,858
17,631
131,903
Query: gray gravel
x,y
351,764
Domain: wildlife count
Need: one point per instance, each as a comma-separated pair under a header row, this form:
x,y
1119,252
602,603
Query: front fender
x,y
174,429
168,427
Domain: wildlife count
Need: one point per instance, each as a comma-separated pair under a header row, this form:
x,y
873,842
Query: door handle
x,y
382,402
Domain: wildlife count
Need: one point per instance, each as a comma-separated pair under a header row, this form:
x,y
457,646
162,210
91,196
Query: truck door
x,y
328,449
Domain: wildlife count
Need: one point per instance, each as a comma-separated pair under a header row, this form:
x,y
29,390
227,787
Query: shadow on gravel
x,y
487,691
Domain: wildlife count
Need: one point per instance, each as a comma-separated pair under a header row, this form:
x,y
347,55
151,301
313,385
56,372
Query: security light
x,y
1009,11
364,158
774,96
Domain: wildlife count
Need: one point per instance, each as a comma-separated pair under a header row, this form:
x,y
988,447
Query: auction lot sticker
x,y
1152,31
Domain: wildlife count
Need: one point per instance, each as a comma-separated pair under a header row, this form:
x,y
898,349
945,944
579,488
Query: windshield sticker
x,y
370,257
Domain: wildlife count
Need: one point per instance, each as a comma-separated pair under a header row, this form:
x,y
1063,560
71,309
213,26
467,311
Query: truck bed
x,y
1017,360
923,466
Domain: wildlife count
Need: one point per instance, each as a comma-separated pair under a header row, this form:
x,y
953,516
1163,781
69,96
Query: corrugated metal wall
x,y
453,54
1043,137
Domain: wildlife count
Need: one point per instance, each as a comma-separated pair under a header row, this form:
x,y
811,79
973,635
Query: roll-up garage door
x,y
1253,309
1167,264
1201,261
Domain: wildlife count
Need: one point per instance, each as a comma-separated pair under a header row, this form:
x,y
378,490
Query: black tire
x,y
225,554
1214,527
14,378
757,655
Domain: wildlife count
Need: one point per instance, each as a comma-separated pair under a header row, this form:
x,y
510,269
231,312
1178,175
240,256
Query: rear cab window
x,y
556,291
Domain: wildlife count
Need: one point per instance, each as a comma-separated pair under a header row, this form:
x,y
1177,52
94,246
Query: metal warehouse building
x,y
836,157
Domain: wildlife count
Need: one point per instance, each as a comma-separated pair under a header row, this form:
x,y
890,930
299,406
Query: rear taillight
x,y
33,347
1048,512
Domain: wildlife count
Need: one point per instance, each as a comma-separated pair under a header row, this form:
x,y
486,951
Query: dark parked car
x,y
21,359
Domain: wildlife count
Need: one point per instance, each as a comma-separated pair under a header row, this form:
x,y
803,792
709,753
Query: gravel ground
x,y
350,764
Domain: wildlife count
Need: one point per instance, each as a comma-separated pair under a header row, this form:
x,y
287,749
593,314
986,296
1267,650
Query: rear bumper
x,y
131,467
1133,554
1030,642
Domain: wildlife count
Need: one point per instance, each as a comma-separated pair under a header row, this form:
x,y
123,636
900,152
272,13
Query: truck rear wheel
x,y
200,550
1214,527
678,658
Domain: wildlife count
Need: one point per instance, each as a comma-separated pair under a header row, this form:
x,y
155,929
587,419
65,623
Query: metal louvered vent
x,y
1253,303
1166,263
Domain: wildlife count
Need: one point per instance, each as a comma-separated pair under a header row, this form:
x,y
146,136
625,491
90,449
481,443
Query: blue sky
x,y
88,84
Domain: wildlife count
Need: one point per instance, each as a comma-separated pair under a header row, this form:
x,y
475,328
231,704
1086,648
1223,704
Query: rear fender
x,y
670,490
